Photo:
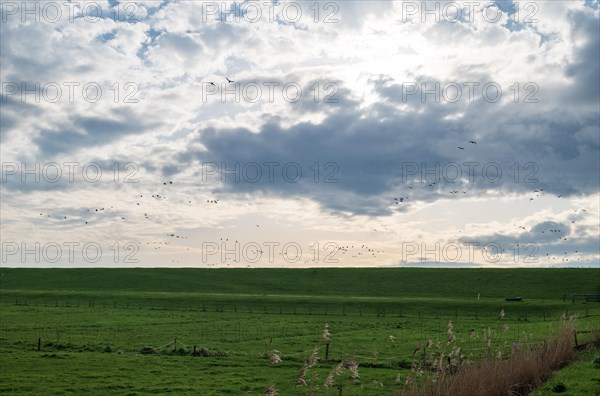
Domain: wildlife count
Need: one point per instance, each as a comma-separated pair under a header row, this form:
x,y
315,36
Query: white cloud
x,y
171,50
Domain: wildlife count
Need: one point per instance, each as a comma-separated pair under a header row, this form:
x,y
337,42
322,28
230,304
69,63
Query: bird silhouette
x,y
228,80
461,148
472,142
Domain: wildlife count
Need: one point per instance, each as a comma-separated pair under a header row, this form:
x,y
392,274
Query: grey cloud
x,y
86,131
371,145
586,67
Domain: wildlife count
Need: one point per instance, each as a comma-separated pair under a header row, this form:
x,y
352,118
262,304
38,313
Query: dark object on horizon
x,y
519,299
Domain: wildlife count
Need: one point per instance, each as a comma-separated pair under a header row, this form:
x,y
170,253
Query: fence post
x,y
39,343
326,351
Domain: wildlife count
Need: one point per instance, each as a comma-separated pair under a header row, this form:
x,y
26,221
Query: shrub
x,y
148,350
208,353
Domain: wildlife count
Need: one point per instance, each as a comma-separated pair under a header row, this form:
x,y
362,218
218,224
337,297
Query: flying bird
x,y
472,142
461,148
228,80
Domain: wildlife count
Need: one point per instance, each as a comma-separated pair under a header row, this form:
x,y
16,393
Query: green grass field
x,y
92,324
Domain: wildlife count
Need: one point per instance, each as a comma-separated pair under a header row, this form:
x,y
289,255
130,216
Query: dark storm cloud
x,y
371,146
547,240
87,131
585,70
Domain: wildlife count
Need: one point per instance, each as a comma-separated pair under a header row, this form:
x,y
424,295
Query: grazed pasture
x,y
91,325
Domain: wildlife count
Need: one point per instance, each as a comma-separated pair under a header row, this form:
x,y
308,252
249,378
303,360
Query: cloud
x,y
372,144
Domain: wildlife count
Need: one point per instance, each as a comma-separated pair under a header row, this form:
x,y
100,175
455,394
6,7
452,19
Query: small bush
x,y
148,350
208,353
180,351
108,349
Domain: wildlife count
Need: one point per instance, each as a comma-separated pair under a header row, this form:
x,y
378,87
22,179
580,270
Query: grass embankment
x,y
93,323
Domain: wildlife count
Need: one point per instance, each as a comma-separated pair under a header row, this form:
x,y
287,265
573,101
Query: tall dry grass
x,y
519,374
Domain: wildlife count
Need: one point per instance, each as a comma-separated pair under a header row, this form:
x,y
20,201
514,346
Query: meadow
x,y
104,331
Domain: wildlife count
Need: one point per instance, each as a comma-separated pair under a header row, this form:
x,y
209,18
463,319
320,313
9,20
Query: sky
x,y
300,133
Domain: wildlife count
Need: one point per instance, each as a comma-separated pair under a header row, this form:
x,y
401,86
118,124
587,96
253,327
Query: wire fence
x,y
518,311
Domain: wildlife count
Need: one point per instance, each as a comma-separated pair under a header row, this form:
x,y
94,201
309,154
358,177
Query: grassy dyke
x,y
93,323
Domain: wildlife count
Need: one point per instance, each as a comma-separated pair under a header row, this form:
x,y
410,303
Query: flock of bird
x,y
402,199
364,251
